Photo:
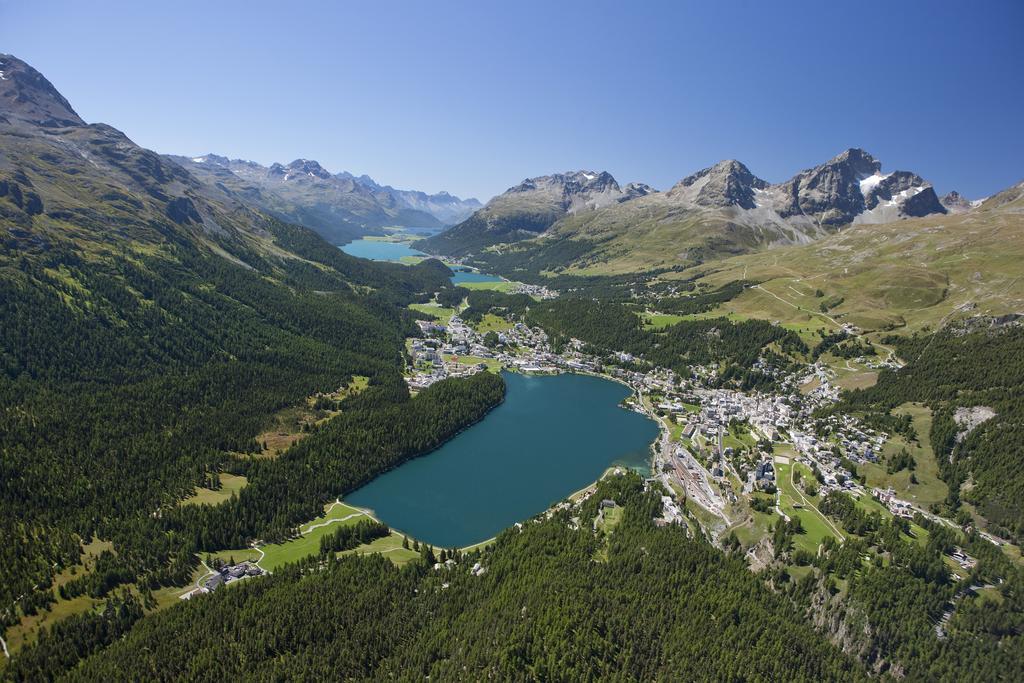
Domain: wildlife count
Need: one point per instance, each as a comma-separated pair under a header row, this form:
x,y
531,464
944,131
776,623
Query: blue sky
x,y
473,97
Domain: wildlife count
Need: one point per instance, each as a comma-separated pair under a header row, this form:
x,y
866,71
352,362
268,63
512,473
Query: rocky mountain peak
x,y
833,193
636,190
569,183
212,159
956,202
855,159
727,183
301,168
25,94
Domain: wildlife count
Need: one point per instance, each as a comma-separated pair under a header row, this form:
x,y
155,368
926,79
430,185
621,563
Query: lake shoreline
x,y
486,480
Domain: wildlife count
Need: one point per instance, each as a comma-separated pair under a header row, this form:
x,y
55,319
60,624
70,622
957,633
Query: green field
x,y
503,286
816,527
739,439
441,313
929,488
389,546
659,321
492,364
229,484
756,528
492,323
308,543
850,374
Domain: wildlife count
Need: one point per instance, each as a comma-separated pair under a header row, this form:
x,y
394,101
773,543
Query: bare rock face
x,y
339,206
570,191
182,211
26,95
954,202
734,209
831,192
635,191
531,207
299,169
727,183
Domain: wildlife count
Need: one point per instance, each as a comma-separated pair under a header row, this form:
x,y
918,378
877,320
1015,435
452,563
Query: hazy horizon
x,y
461,98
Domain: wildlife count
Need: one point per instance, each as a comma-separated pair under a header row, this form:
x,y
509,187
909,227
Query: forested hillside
x,y
956,371
662,606
151,328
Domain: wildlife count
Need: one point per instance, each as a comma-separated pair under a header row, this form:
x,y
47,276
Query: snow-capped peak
x,y
871,182
199,160
589,176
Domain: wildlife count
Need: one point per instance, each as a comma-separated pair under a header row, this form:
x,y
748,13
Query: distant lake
x,y
461,276
380,251
425,232
552,436
376,250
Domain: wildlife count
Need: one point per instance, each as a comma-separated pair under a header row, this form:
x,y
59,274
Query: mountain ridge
x,y
721,209
339,206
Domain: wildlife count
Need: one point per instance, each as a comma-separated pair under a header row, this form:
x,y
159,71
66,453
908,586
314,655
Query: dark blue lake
x,y
552,436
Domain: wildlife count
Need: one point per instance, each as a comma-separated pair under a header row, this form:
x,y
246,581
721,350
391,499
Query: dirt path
x,y
208,574
790,303
262,555
311,527
807,504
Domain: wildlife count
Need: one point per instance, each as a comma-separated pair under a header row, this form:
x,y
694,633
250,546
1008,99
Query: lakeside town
x,y
716,444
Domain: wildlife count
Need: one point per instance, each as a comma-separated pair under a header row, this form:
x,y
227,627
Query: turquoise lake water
x,y
461,276
394,251
379,251
552,436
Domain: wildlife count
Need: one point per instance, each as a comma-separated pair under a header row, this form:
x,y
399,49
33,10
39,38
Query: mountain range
x,y
339,206
719,210
190,374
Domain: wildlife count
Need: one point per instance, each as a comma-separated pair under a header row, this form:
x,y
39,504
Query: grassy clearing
x,y
850,374
492,364
237,554
503,286
27,629
286,425
492,323
706,519
758,526
230,484
929,487
606,523
659,321
390,546
308,543
816,527
441,313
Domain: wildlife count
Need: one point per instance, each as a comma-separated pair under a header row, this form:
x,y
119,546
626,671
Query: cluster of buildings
x,y
898,508
821,444
538,291
224,575
437,355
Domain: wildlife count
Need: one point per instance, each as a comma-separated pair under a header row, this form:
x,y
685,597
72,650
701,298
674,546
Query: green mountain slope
x,y
151,326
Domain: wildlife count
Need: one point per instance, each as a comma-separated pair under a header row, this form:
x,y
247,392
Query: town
x,y
717,444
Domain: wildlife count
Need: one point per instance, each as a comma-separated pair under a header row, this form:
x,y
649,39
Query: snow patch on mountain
x,y
871,182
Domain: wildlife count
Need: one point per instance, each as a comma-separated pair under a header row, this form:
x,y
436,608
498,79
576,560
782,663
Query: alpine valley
x,y
212,419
